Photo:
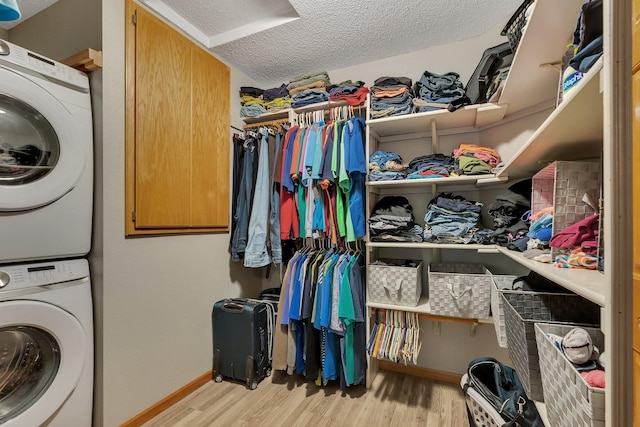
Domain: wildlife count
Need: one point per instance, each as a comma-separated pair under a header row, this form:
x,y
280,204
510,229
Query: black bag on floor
x,y
493,392
491,70
242,340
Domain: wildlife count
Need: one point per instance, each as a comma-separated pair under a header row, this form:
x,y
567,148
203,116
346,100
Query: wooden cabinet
x,y
177,129
635,30
636,382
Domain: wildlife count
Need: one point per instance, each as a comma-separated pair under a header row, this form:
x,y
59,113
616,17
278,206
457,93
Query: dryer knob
x,y
4,279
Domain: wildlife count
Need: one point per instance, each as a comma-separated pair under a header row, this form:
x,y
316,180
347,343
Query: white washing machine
x,y
46,344
46,158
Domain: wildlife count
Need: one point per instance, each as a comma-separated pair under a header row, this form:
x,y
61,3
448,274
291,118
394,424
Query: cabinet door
x,y
635,30
163,125
177,131
210,147
636,313
636,172
636,389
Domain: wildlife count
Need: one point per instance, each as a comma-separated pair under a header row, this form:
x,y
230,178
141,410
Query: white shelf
x,y
544,41
469,116
276,115
590,284
423,245
423,308
422,182
556,138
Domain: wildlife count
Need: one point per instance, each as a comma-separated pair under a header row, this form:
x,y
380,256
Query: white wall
x,y
158,291
61,30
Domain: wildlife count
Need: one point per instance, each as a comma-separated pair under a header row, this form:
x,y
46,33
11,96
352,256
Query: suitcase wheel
x,y
218,378
252,385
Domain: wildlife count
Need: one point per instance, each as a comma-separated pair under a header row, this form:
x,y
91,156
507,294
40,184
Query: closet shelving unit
x,y
572,131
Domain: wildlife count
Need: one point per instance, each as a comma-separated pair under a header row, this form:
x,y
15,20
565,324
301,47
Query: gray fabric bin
x,y
523,310
570,400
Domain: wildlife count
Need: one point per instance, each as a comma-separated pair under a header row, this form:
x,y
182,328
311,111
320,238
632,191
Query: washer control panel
x,y
20,276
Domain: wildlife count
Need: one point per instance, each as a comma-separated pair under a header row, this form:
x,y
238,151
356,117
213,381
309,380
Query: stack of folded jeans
x,y
437,91
392,96
386,166
451,219
510,214
430,166
252,104
277,98
353,93
308,97
392,220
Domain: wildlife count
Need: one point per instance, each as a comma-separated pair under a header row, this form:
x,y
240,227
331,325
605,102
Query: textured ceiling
x,y
329,34
274,40
28,8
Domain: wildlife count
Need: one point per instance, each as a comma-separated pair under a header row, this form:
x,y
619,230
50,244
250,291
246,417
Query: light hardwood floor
x,y
282,400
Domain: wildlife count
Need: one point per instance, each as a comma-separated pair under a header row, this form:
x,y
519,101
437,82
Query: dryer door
x,y
42,353
41,152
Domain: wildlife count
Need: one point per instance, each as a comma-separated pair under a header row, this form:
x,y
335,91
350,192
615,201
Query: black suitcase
x,y
241,340
492,67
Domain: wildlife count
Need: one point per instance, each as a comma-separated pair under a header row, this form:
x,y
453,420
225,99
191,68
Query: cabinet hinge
x,y
134,18
133,216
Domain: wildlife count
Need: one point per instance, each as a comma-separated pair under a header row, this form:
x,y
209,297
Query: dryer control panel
x,y
13,277
11,54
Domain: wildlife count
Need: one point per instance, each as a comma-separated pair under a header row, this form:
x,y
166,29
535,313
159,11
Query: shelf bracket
x,y
474,328
434,137
436,328
555,65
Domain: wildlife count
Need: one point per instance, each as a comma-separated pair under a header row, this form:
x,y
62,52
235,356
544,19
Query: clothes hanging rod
x,y
267,123
235,128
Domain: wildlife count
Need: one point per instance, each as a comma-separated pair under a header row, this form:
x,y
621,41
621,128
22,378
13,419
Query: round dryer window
x,y
43,150
42,354
29,361
29,146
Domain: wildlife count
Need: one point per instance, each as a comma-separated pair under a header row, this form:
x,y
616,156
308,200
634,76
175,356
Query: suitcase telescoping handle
x,y
233,307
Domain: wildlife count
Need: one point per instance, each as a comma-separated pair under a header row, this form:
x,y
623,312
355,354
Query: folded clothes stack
x,y
277,98
353,93
392,220
452,219
386,166
251,101
392,96
475,159
510,213
435,165
437,91
309,88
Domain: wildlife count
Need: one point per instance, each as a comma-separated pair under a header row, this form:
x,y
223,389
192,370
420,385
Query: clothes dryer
x,y
46,344
46,158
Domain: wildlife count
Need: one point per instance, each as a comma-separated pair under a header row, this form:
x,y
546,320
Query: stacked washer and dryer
x,y
46,205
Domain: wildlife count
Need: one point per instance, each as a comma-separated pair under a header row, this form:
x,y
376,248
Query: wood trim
x,y
130,116
86,61
432,374
168,401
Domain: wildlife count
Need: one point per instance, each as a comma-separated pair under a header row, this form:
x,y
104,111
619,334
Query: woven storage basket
x,y
562,185
522,311
500,283
395,284
515,27
458,289
570,400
